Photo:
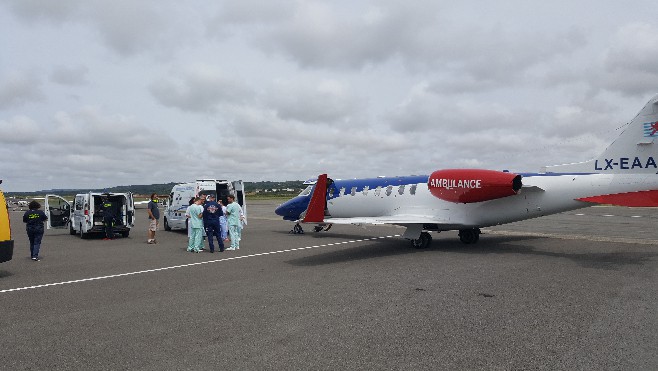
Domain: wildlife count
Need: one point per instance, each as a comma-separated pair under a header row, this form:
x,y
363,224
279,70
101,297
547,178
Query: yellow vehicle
x,y
6,243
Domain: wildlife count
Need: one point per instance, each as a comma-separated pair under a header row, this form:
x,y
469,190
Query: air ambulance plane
x,y
625,174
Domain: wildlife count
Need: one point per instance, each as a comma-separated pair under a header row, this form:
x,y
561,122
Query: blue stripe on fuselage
x,y
373,183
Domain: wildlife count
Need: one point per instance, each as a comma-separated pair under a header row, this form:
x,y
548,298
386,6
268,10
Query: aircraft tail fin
x,y
315,210
633,152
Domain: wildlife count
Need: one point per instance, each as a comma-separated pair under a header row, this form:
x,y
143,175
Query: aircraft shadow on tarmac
x,y
490,245
4,274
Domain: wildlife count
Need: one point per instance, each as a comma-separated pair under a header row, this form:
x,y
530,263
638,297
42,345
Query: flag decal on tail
x,y
651,129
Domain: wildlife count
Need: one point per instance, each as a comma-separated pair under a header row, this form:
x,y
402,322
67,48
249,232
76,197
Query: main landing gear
x,y
297,229
469,236
423,241
322,227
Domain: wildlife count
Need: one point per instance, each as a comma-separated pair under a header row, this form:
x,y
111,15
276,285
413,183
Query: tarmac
x,y
575,290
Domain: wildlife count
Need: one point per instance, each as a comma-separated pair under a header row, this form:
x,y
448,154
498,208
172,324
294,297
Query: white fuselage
x,y
542,194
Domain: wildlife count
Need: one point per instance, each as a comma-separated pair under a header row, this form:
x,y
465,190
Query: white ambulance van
x,y
85,216
182,194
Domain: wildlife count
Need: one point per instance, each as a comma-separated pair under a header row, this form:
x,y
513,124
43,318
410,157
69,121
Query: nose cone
x,y
292,209
282,209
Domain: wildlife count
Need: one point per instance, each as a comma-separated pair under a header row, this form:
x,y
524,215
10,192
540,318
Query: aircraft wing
x,y
401,219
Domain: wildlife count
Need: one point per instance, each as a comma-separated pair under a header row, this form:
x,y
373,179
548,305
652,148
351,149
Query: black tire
x,y
72,231
82,235
422,242
166,225
125,234
469,236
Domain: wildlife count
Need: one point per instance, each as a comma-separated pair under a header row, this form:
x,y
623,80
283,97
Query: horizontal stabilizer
x,y
629,199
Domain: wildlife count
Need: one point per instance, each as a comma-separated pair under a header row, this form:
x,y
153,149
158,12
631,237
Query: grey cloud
x,y
89,127
18,88
71,76
128,27
629,64
419,34
55,11
19,130
199,89
327,101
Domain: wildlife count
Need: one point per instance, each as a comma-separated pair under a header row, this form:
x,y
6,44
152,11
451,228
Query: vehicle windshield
x,y
306,191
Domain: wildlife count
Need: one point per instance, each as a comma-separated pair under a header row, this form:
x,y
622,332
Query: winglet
x,y
315,209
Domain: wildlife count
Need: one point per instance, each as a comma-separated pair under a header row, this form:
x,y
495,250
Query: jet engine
x,y
473,185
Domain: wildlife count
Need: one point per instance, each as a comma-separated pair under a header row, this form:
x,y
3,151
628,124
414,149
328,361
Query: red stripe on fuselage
x,y
630,199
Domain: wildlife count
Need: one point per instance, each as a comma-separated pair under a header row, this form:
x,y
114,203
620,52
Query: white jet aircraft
x,y
625,174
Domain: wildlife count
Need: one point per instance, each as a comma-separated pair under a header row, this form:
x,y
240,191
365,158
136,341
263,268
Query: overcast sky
x,y
97,93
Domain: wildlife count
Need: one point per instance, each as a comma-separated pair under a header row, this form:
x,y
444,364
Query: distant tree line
x,y
165,188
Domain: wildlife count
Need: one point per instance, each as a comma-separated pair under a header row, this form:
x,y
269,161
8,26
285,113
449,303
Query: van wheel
x,y
82,234
166,225
71,230
125,234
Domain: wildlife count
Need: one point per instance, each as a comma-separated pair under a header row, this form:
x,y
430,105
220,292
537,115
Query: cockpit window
x,y
306,191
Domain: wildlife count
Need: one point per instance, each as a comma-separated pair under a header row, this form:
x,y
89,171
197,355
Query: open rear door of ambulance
x,y
58,211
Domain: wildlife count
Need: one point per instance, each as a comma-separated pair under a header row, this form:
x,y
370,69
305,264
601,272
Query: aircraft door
x,y
240,197
58,211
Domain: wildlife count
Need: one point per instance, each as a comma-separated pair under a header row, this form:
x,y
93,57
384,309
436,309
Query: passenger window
x,y
389,189
401,190
412,189
365,190
353,191
378,191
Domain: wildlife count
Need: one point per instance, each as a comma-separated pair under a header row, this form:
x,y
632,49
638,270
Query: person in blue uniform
x,y
212,211
33,219
109,214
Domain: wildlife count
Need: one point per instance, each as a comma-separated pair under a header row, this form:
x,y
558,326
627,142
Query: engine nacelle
x,y
473,185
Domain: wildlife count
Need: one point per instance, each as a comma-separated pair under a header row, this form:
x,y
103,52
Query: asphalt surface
x,y
570,291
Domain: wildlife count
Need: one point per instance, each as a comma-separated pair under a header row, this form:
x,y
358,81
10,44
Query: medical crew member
x,y
234,219
33,219
211,214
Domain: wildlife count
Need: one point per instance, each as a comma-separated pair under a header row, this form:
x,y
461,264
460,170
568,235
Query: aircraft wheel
x,y
422,242
166,225
297,229
469,236
318,228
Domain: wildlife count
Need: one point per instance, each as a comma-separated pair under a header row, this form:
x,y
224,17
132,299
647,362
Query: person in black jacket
x,y
109,214
33,219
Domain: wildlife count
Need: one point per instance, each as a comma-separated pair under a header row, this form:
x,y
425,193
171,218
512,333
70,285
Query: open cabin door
x,y
240,197
58,211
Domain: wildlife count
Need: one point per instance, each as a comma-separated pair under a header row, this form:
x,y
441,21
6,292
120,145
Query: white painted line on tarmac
x,y
184,265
